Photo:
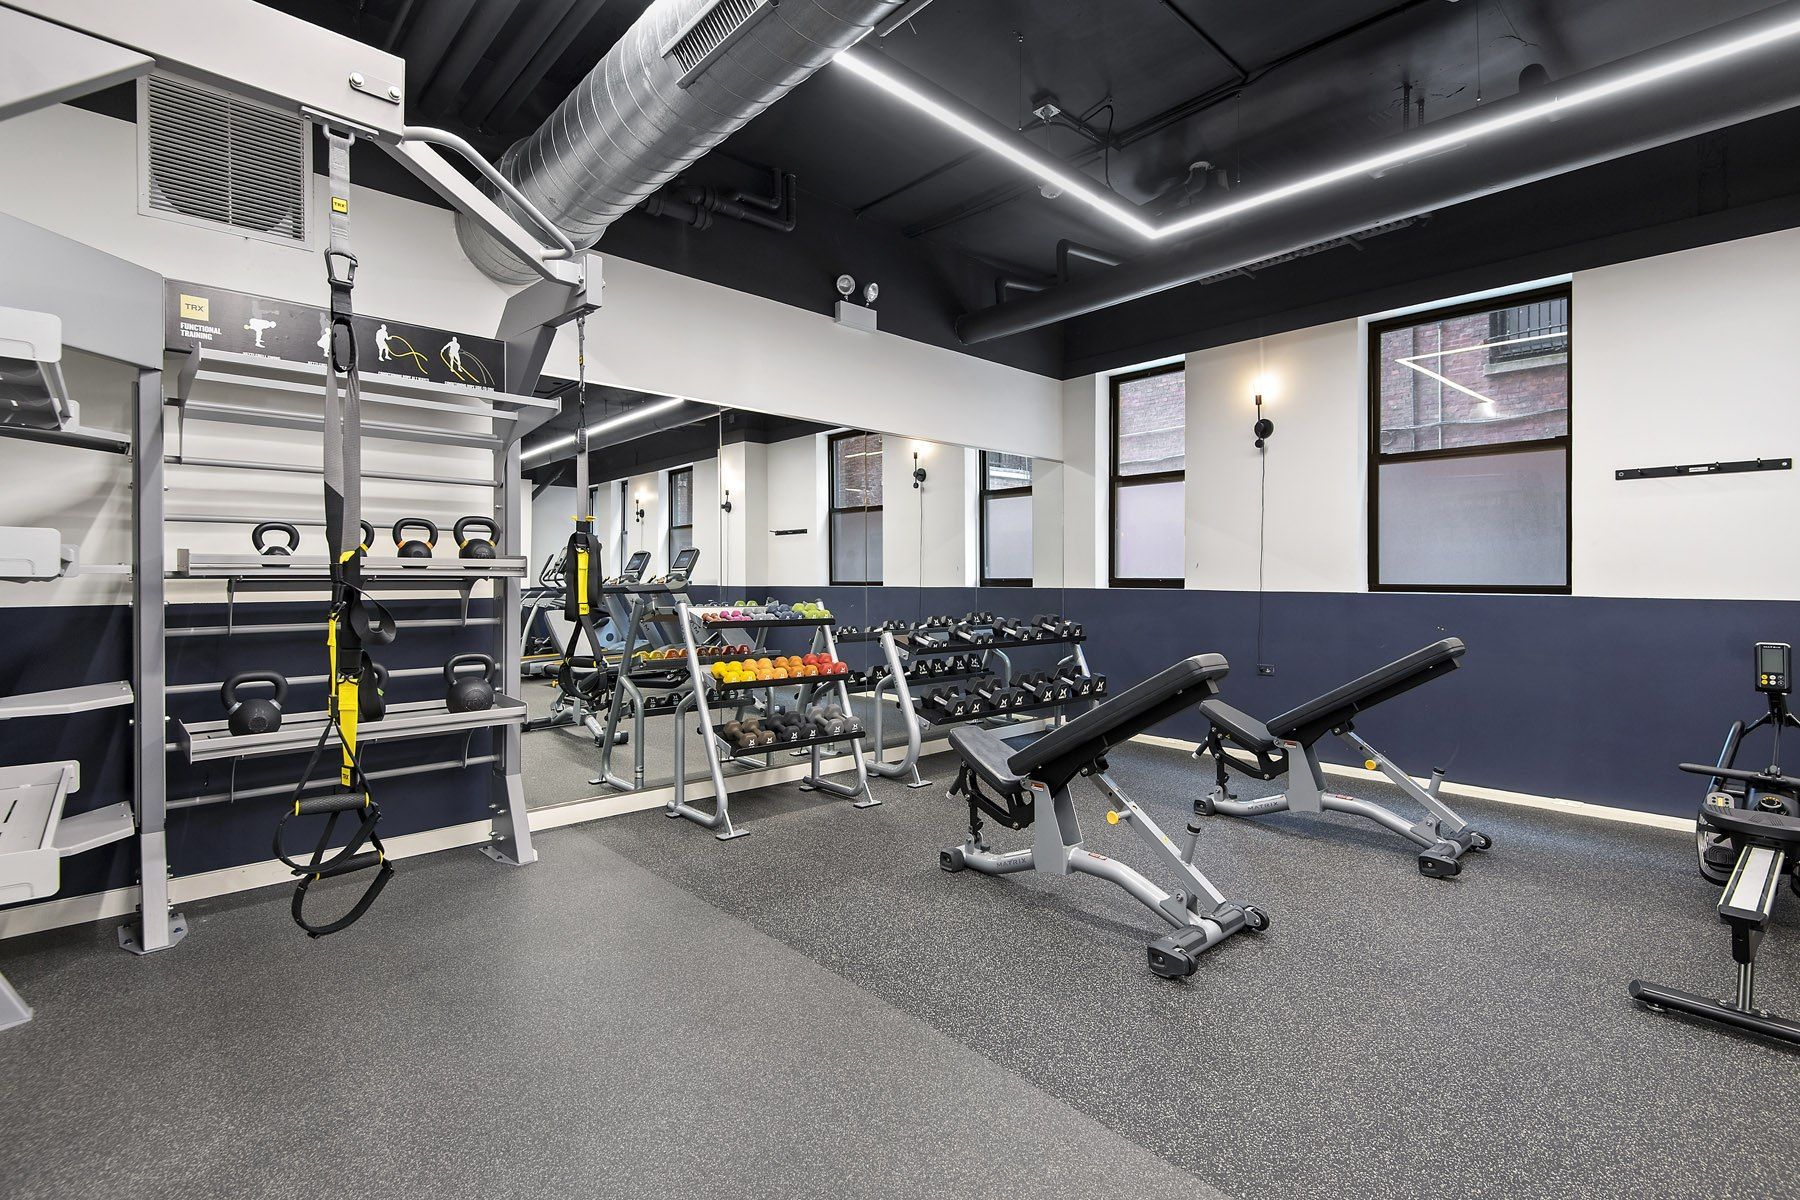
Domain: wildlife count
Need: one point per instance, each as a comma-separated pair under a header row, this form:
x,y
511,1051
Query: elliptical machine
x,y
1747,839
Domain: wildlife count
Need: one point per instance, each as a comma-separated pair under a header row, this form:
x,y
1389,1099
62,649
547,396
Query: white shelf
x,y
63,701
31,805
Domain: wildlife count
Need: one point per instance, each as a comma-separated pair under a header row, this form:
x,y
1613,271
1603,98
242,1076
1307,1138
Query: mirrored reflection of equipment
x,y
1748,835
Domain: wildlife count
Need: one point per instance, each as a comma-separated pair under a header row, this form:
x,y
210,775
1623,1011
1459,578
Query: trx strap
x,y
354,618
581,576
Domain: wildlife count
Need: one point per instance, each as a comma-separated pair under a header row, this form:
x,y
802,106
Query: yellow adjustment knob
x,y
1368,764
1112,816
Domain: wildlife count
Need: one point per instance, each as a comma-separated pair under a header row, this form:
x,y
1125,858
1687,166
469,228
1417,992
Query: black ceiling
x,y
1257,89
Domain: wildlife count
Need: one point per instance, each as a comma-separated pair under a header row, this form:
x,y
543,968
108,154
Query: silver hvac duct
x,y
1686,103
686,75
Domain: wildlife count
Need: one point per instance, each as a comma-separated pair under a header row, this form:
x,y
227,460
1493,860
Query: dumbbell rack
x,y
631,690
924,641
697,700
264,394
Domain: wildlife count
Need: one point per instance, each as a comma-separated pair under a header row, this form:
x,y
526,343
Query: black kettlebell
x,y
371,690
473,547
469,692
255,715
261,532
413,548
368,537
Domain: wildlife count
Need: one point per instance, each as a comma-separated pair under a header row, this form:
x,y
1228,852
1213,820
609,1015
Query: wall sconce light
x,y
1263,427
725,506
918,472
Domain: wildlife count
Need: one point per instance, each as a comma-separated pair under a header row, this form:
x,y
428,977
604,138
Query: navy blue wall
x,y
63,647
1585,698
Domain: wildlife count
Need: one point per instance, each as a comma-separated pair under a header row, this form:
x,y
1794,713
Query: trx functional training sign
x,y
221,319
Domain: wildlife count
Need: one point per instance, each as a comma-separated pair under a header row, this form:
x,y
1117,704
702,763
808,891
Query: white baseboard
x,y
1579,808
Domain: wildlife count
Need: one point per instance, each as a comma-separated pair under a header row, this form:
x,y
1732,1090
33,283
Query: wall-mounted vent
x,y
713,29
209,158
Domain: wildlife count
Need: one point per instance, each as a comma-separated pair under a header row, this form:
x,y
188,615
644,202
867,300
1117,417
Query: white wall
x,y
795,499
1686,357
1314,391
928,532
1690,357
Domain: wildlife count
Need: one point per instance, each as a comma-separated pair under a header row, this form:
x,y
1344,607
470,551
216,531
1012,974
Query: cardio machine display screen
x,y
684,562
638,562
1772,658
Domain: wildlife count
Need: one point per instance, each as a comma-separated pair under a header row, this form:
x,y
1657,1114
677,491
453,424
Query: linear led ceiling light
x,y
984,132
624,418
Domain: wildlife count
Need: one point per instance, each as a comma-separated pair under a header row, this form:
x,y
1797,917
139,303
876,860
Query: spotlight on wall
x,y
860,317
846,286
1263,427
918,471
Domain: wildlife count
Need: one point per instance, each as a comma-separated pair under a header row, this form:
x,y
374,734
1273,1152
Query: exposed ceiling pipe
x,y
695,205
1703,90
641,116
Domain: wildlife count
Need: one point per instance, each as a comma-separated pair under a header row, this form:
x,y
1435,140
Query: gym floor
x,y
817,1010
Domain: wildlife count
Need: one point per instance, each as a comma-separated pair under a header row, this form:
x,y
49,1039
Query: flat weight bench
x,y
1010,785
1268,750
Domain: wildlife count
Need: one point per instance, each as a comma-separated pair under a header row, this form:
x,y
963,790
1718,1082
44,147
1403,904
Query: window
x,y
855,508
1005,520
681,510
1149,478
1469,448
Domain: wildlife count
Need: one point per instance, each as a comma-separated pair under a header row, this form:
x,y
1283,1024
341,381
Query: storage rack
x,y
642,607
45,310
903,646
277,394
696,627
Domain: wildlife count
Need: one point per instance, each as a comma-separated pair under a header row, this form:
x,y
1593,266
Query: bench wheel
x,y
1480,841
1255,919
951,860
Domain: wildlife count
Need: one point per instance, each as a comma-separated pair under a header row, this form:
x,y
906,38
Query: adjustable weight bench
x,y
1268,751
1015,787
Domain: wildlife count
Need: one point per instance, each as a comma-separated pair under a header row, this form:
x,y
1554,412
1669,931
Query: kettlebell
x,y
261,532
371,690
473,547
368,537
469,692
255,715
413,548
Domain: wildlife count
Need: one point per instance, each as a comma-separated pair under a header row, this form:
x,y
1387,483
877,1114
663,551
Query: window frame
x,y
1376,458
1116,482
669,534
832,508
982,494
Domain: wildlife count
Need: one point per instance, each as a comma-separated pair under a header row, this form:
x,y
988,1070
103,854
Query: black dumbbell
x,y
468,546
255,715
412,547
259,536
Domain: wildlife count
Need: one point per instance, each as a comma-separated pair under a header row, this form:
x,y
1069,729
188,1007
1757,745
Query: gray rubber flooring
x,y
578,1028
817,1009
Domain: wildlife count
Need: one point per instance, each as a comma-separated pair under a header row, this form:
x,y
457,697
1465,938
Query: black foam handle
x,y
415,523
343,866
228,692
336,802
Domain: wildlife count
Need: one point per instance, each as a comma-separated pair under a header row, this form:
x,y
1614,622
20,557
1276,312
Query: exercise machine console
x,y
1751,821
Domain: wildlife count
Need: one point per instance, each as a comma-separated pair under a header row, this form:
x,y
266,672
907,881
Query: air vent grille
x,y
705,37
211,158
